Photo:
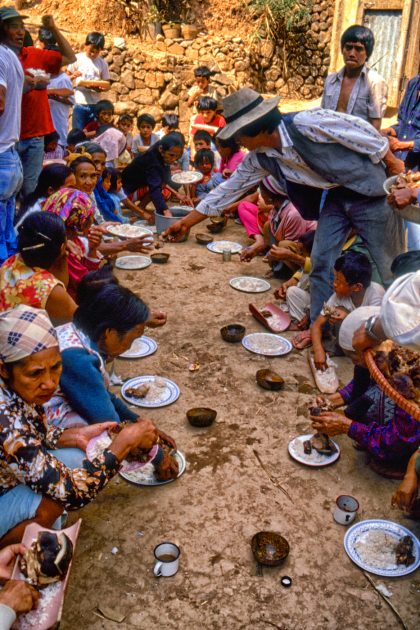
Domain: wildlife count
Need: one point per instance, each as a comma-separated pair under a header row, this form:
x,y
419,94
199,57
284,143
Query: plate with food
x,y
383,548
150,391
267,344
146,224
133,262
250,284
187,177
141,347
314,449
218,247
147,475
126,230
46,565
411,179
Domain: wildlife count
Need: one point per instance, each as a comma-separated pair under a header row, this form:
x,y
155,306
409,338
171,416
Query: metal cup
x,y
227,255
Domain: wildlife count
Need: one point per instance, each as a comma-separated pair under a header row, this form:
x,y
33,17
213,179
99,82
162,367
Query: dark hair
x,y
201,134
170,120
75,136
360,34
146,118
173,139
228,143
271,193
355,267
115,176
27,39
83,159
51,137
110,307
40,238
406,263
267,124
95,39
126,118
202,155
93,147
52,176
47,37
307,240
104,106
93,281
203,71
206,102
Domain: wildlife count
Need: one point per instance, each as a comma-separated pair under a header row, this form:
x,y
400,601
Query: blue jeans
x,y
21,503
376,223
82,115
413,235
31,153
11,178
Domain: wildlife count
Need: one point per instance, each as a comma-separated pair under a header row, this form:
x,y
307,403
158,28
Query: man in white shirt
x,y
91,77
11,175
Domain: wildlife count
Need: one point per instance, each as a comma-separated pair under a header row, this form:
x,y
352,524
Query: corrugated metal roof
x,y
386,26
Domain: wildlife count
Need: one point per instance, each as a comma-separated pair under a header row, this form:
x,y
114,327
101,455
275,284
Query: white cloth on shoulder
x,y
400,311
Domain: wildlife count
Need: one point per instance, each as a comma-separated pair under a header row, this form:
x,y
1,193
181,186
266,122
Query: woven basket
x,y
410,407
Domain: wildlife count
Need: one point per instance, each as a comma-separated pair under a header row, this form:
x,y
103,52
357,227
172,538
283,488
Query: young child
x,y
145,124
112,183
52,150
204,162
207,117
231,154
104,116
352,288
169,122
74,138
125,125
202,87
202,140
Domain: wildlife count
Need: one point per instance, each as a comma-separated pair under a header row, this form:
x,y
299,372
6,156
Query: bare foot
x,y
167,213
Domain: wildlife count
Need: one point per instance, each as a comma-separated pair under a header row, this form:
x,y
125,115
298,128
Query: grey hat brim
x,y
250,117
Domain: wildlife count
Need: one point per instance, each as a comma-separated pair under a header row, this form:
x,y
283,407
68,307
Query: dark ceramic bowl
x,y
161,258
218,220
215,228
203,239
201,416
233,332
269,548
267,379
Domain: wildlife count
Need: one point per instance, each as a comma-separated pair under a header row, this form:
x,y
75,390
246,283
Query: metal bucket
x,y
162,223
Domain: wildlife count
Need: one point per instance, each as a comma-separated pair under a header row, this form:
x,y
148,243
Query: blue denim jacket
x,y
408,126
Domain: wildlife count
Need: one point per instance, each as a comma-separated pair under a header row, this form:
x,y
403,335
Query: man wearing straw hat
x,y
322,157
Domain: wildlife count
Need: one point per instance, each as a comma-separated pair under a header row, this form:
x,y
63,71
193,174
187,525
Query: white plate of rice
x,y
126,230
371,545
267,344
162,391
133,262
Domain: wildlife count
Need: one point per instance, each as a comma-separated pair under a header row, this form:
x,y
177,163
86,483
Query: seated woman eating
x,y
44,470
76,210
38,274
375,422
107,321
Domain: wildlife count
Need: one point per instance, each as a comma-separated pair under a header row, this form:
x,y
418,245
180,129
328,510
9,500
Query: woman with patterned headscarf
x,y
44,470
77,211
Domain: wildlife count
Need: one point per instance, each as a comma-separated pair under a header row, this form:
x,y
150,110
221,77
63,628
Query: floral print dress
x,y
20,284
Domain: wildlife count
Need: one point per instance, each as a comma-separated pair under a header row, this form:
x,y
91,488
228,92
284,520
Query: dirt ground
x,y
226,495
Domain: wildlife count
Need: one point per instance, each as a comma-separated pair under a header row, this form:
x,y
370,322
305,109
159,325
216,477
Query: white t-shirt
x,y
92,70
138,142
60,111
11,78
373,297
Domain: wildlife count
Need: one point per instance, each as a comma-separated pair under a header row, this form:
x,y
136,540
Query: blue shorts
x,y
21,503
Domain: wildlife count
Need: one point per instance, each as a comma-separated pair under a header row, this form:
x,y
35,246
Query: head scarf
x,y
400,311
73,206
352,322
274,186
25,331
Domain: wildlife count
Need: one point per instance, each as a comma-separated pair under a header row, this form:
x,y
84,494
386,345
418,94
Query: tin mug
x,y
167,559
345,510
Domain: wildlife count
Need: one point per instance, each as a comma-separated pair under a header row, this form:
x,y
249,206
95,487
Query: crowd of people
x,y
308,190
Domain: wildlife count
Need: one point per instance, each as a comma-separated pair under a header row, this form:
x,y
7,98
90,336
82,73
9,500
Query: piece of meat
x,y
382,362
168,468
307,447
404,551
138,392
47,559
404,385
322,443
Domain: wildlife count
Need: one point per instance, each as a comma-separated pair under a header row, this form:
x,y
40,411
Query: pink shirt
x,y
233,162
287,224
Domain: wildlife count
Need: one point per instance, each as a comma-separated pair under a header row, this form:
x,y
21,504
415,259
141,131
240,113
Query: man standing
x,y
11,177
312,152
356,89
36,116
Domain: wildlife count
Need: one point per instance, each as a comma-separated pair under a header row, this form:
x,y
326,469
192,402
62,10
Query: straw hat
x,y
243,108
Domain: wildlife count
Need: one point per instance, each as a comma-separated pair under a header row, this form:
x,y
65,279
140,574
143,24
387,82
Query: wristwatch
x,y
370,323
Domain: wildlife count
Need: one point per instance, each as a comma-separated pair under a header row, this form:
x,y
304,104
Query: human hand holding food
x,y
331,423
280,293
406,493
141,434
19,595
157,319
8,558
140,245
320,359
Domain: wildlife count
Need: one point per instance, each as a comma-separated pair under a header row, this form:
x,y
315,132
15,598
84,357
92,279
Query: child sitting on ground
x,y
75,137
125,125
204,162
207,118
169,122
52,150
231,154
352,288
112,184
104,116
146,138
202,140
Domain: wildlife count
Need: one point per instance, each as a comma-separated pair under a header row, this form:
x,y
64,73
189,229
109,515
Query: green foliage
x,y
278,17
